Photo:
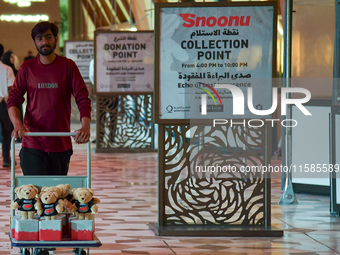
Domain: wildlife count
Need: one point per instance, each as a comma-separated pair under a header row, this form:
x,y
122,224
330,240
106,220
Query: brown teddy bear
x,y
50,205
85,203
53,188
67,197
65,191
26,203
58,190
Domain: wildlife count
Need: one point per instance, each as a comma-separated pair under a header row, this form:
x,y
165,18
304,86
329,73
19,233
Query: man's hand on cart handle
x,y
19,131
83,135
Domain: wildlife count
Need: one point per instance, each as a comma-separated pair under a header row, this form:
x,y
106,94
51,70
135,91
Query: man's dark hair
x,y
1,50
42,27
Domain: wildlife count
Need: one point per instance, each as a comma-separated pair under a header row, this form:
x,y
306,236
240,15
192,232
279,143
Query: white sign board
x,y
124,61
200,47
81,52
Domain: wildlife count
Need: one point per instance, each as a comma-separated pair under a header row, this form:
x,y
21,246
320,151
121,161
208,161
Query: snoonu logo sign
x,y
191,20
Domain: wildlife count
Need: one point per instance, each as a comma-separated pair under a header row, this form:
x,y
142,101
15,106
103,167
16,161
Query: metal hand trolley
x,y
27,247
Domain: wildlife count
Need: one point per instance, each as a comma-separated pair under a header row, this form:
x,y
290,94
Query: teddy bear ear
x,y
73,190
44,188
17,189
55,194
91,191
36,189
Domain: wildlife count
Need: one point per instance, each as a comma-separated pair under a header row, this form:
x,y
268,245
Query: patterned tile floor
x,y
130,184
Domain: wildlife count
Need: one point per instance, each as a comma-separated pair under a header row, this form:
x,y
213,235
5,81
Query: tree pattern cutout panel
x,y
194,196
124,121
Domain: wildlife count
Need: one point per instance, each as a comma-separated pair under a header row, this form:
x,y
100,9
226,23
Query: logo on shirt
x,y
49,211
47,85
27,207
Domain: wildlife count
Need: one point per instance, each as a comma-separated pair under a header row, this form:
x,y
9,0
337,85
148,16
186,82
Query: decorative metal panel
x,y
124,121
194,197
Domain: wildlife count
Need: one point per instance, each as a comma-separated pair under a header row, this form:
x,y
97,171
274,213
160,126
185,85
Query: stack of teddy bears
x,y
38,212
51,201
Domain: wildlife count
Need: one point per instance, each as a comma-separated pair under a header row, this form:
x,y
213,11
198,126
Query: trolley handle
x,y
49,134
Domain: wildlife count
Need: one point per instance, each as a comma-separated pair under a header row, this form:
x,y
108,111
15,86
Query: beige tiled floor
x,y
127,187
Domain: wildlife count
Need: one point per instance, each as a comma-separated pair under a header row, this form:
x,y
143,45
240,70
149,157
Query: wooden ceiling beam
x,y
100,19
124,4
106,12
90,6
89,9
109,9
141,16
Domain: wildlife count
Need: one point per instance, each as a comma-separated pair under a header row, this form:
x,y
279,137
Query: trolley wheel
x,y
25,251
41,252
79,251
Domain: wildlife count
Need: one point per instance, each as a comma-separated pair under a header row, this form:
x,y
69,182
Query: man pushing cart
x,y
49,81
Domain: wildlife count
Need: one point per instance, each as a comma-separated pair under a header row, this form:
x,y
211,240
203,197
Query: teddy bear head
x,y
53,189
48,197
83,195
65,189
26,191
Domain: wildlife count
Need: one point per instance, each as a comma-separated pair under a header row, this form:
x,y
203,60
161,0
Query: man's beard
x,y
48,51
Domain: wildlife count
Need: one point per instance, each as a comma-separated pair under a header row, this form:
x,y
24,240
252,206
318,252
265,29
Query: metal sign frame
x,y
175,163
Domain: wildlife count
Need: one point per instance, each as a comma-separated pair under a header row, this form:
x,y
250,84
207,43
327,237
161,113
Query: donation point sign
x,y
124,61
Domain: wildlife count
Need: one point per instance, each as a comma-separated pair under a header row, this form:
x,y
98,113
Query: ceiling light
x,y
22,3
24,18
